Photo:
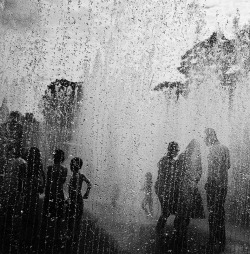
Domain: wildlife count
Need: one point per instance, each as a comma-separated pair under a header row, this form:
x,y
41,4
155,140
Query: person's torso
x,y
218,159
75,187
13,180
56,176
168,174
34,180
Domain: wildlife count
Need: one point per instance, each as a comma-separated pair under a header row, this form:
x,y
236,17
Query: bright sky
x,y
62,25
223,11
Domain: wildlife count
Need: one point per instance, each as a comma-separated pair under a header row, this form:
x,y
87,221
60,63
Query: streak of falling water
x,y
123,127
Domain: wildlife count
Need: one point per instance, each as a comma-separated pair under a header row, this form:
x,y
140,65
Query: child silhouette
x,y
75,202
147,203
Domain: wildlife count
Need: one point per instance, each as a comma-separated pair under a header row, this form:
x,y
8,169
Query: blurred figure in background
x,y
115,194
216,188
147,203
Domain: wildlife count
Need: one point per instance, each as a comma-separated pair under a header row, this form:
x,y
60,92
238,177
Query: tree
x,y
60,104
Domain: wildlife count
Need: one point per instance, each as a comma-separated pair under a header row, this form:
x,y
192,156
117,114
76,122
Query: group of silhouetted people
x,y
177,190
29,227
26,225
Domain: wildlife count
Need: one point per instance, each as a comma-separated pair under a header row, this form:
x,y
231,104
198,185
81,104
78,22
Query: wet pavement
x,y
140,237
113,231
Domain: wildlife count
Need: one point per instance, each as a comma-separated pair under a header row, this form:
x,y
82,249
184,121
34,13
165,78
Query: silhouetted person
x,y
115,194
34,185
216,188
166,186
75,202
4,111
12,130
190,169
11,200
56,177
147,203
11,134
54,203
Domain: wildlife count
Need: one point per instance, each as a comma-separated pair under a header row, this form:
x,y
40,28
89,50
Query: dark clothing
x,y
216,197
167,185
54,197
218,165
216,187
189,199
51,232
167,190
12,185
11,203
34,185
197,211
11,134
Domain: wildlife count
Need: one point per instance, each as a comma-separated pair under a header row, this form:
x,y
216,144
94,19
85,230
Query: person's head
x,y
173,149
29,117
210,137
59,156
193,146
12,151
14,116
76,164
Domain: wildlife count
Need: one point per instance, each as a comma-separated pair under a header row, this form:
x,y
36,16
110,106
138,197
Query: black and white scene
x,y
124,127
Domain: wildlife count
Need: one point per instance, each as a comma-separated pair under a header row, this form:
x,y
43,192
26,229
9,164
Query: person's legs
x,y
216,199
163,218
150,205
181,223
144,204
74,228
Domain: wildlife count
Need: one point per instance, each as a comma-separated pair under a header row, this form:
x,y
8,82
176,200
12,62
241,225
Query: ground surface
x,y
109,230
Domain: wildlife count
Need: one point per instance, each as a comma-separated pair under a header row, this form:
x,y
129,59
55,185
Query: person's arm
x,y
64,175
228,164
86,180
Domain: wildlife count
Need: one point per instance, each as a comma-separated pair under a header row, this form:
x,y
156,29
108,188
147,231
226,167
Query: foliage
x,y
230,58
60,101
179,87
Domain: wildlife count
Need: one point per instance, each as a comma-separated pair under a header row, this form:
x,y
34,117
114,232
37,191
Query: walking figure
x,y
115,195
147,203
